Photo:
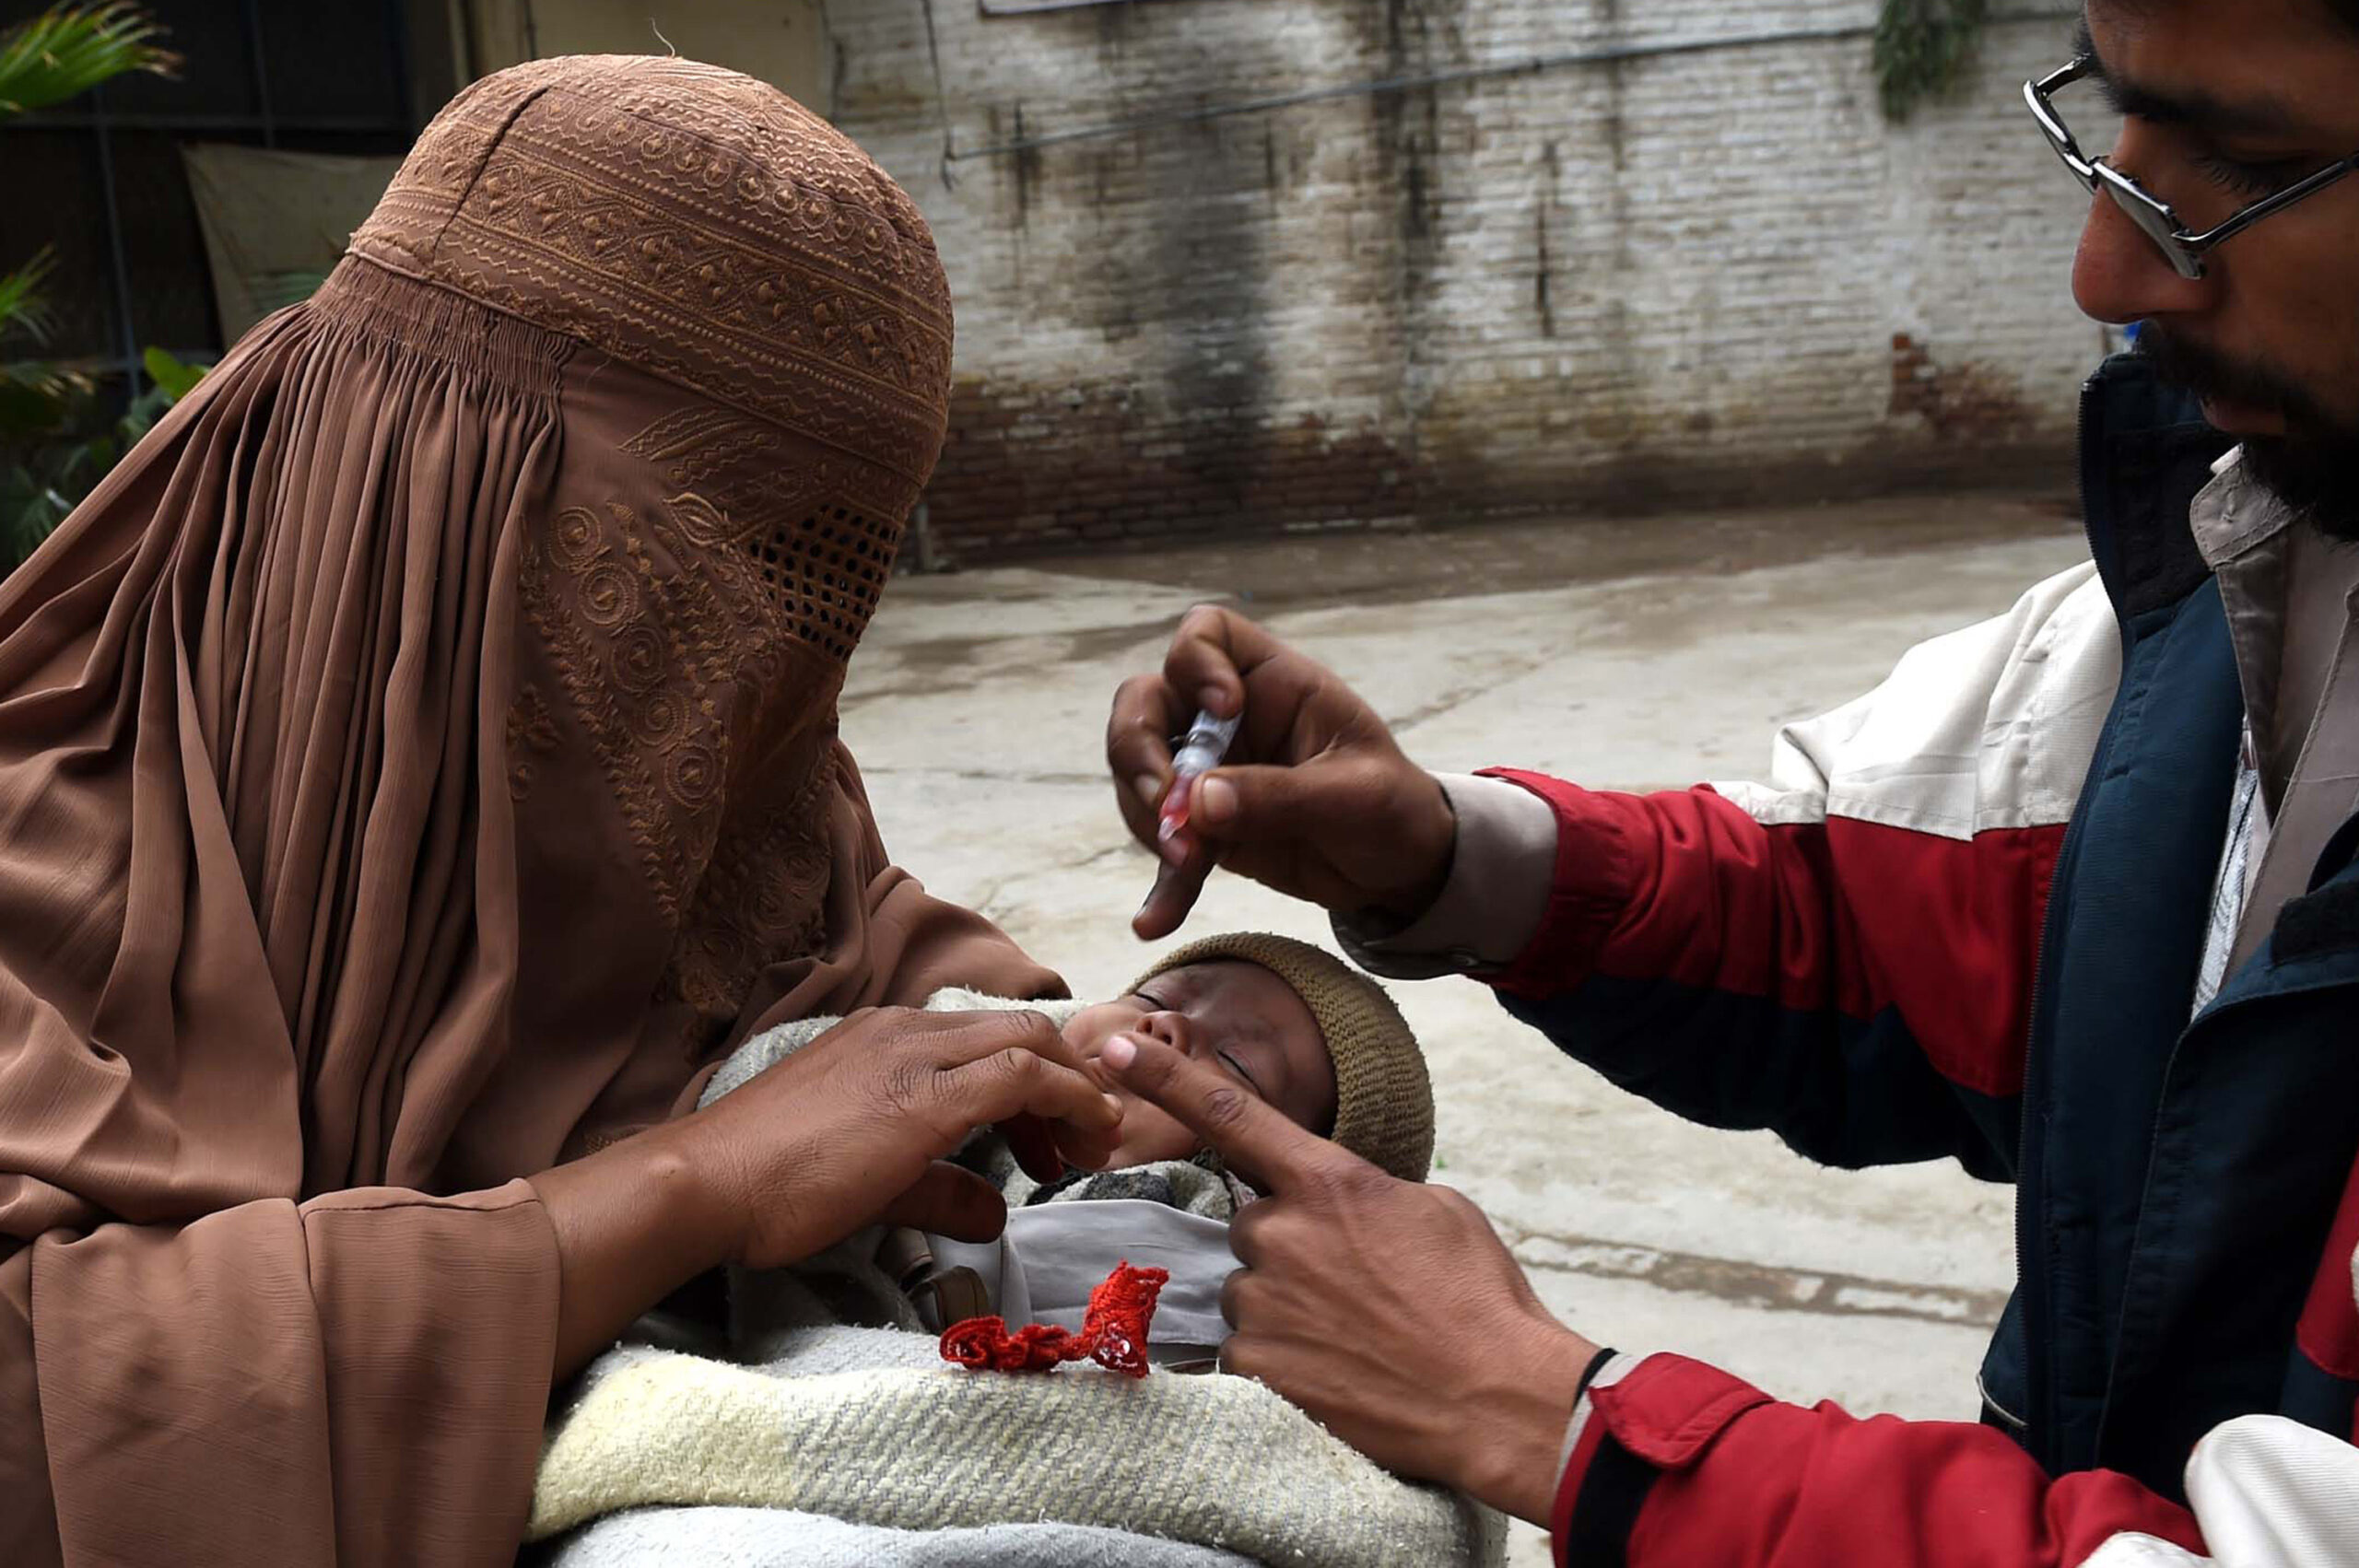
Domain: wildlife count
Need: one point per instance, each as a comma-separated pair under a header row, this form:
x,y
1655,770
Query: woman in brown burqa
x,y
417,768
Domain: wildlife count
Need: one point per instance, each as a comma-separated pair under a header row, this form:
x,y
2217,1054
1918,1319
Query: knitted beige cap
x,y
1384,1101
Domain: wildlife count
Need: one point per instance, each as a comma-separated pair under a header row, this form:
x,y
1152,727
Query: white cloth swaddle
x,y
1052,1256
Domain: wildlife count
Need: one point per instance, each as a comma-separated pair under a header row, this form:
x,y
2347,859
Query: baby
x,y
1292,1024
843,1411
827,1421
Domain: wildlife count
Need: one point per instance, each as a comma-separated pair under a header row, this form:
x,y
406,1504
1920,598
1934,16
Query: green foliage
x,y
1921,47
68,50
33,392
173,377
22,309
44,478
57,438
44,481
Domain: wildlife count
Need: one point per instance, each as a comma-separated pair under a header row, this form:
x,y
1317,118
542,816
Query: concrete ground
x,y
1625,655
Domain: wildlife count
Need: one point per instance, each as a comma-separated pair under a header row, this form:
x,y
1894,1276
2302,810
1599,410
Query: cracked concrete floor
x,y
1624,655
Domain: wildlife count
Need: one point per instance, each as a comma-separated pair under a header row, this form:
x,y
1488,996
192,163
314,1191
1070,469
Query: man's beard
x,y
2313,467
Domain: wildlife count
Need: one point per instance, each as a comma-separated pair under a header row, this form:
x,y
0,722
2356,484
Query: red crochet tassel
x,y
1113,1331
983,1344
1114,1327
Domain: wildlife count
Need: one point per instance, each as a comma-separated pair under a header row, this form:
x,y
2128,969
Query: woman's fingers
x,y
1087,1146
950,1202
1034,1144
1017,1082
1052,1116
1045,1149
851,1127
975,1037
962,1071
1015,1069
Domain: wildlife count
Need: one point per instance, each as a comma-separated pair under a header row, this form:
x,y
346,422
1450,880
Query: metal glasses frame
x,y
2184,248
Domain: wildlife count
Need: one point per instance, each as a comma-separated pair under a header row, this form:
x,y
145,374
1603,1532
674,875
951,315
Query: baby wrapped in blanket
x,y
833,1413
1291,1024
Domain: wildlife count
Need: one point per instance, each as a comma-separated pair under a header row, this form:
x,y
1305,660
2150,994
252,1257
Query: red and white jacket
x,y
1895,865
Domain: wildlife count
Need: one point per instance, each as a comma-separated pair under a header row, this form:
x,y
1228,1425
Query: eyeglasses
x,y
2184,248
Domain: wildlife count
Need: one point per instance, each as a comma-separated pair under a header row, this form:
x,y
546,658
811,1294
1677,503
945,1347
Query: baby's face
x,y
1238,1017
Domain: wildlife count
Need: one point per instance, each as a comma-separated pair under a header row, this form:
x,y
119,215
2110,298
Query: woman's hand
x,y
1317,800
849,1131
852,1128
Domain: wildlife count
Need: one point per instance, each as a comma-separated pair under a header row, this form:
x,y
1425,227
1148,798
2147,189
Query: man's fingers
x,y
1174,894
1244,1295
1241,1356
1138,749
1210,656
1268,804
1245,1232
1247,1131
1138,753
952,1202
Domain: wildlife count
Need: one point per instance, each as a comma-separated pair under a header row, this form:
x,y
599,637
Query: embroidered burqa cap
x,y
704,227
419,766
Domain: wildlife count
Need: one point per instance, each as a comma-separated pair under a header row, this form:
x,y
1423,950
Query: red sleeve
x,y
1681,1464
1607,863
1828,918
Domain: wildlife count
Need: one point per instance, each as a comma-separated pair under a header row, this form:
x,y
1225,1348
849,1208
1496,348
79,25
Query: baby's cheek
x,y
1084,1030
1150,1134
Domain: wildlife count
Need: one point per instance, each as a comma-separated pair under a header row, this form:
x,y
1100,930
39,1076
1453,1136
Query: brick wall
x,y
1698,273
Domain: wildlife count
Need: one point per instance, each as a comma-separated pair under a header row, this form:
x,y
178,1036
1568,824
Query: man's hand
x,y
1321,804
1388,1309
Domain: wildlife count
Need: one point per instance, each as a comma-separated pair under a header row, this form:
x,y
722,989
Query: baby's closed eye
x,y
1237,1067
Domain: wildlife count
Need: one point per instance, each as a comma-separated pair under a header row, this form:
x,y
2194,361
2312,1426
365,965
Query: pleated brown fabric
x,y
418,766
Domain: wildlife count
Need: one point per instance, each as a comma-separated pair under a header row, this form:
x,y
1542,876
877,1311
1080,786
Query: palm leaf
x,y
68,50
23,308
36,395
33,392
35,496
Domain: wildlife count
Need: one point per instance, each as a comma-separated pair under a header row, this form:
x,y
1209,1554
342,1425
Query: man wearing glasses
x,y
2073,898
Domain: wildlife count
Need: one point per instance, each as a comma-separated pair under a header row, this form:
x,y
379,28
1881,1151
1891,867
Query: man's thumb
x,y
1252,803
